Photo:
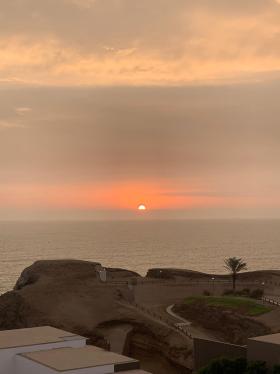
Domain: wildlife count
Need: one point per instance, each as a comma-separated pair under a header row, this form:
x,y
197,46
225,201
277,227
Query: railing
x,y
159,317
190,282
217,280
271,301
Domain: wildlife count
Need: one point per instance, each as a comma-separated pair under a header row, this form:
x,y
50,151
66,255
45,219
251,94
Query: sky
x,y
107,104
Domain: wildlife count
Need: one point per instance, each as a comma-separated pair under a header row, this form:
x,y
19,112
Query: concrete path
x,y
154,318
182,320
196,332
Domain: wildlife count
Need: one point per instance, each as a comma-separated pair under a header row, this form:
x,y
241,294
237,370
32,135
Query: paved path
x,y
154,318
182,320
196,332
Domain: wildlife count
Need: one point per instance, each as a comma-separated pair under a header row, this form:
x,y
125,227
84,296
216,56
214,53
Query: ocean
x,y
139,245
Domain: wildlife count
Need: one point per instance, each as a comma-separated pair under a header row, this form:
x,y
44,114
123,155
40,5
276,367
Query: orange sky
x,y
122,197
106,104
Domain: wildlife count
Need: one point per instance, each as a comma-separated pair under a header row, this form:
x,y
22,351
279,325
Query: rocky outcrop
x,y
65,269
164,354
68,294
14,311
160,350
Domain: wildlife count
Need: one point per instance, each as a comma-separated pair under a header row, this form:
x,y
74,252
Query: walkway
x,y
196,332
157,318
183,322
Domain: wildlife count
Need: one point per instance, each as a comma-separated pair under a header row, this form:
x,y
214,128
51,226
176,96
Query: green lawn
x,y
244,305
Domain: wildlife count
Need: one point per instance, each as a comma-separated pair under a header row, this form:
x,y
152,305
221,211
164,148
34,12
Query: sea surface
x,y
139,245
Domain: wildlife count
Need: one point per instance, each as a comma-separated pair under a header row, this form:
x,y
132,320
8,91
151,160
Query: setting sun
x,y
142,207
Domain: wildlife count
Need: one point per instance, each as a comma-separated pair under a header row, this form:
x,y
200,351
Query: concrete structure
x,y
102,273
208,350
265,348
262,348
47,350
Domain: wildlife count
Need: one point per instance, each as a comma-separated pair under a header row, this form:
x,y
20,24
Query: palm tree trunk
x,y
233,281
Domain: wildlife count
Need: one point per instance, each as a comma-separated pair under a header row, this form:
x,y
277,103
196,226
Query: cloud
x,y
23,110
127,42
189,146
10,125
82,3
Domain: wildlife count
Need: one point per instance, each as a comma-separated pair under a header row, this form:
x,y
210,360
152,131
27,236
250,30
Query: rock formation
x,y
68,294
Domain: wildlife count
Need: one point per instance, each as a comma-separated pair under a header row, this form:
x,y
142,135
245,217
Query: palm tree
x,y
235,265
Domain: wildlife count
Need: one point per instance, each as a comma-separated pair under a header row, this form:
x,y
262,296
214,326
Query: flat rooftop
x,y
34,336
64,359
273,339
135,372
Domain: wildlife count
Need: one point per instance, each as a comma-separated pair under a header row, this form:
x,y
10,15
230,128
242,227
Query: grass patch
x,y
243,305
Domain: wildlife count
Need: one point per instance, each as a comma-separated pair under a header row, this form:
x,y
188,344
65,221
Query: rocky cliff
x,y
68,294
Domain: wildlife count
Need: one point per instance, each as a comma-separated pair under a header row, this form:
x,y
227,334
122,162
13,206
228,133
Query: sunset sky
x,y
108,104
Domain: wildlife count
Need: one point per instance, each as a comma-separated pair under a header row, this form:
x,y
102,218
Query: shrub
x,y
228,293
237,366
244,292
276,369
206,293
256,294
225,366
258,367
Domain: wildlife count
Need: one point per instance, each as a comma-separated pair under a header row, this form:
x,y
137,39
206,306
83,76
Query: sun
x,y
142,207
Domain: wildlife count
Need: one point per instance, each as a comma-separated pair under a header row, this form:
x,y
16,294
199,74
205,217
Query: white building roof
x,y
34,336
273,338
135,372
64,359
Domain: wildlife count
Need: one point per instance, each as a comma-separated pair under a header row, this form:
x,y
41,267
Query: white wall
x,y
106,369
8,356
27,366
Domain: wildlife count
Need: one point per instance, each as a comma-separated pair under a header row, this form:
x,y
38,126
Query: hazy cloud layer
x,y
178,148
163,42
108,103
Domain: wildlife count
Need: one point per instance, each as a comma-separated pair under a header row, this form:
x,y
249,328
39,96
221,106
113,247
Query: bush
x,y
237,366
244,292
256,294
258,367
228,292
225,366
276,369
206,293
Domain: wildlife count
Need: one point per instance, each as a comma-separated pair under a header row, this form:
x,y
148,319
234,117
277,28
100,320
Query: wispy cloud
x,y
82,3
10,125
127,42
23,110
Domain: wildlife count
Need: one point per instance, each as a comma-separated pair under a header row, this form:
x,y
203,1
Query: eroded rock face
x,y
159,349
55,269
13,311
65,269
155,352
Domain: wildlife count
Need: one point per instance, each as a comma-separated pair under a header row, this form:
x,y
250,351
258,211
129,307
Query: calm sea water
x,y
140,245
